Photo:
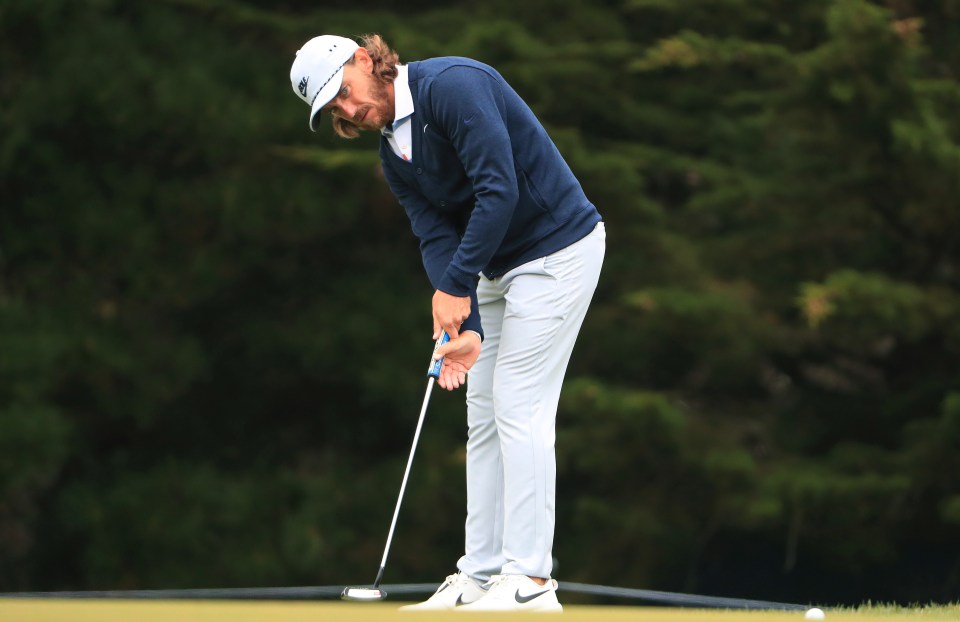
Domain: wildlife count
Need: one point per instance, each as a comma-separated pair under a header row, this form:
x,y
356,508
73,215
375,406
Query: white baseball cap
x,y
317,71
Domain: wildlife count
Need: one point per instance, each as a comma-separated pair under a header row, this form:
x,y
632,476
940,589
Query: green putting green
x,y
60,610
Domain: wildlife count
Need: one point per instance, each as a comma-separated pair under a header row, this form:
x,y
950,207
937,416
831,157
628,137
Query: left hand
x,y
449,312
461,353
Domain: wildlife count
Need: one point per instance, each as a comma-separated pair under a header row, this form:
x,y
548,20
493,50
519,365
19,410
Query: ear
x,y
362,56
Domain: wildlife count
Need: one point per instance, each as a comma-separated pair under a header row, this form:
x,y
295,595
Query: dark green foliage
x,y
214,324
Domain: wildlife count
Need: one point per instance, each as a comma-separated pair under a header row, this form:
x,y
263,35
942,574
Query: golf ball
x,y
814,614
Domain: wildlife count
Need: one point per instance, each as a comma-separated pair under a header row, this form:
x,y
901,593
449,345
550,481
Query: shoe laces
x,y
499,580
458,578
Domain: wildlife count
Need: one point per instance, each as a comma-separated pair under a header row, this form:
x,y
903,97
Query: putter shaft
x,y
403,485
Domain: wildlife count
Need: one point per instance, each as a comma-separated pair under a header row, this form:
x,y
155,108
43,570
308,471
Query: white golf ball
x,y
814,614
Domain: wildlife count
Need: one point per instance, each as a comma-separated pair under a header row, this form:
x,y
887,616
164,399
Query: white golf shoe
x,y
455,592
517,592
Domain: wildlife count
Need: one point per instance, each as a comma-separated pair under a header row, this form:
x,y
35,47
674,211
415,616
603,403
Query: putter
x,y
374,593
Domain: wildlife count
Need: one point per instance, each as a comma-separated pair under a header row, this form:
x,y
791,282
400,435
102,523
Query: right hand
x,y
461,353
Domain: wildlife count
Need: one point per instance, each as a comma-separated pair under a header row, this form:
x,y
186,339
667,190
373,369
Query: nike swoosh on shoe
x,y
526,599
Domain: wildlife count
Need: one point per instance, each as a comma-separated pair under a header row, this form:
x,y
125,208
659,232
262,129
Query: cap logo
x,y
303,86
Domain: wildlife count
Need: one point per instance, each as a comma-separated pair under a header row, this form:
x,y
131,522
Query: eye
x,y
344,91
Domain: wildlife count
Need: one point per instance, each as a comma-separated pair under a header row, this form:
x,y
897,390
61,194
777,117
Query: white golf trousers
x,y
531,317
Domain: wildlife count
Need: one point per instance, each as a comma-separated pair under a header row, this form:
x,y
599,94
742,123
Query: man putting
x,y
513,248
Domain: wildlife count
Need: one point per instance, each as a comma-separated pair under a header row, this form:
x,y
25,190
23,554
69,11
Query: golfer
x,y
513,248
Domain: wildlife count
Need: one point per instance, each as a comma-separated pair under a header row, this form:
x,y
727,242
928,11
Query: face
x,y
363,101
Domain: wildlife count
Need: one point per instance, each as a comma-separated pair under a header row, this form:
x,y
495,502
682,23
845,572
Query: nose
x,y
347,109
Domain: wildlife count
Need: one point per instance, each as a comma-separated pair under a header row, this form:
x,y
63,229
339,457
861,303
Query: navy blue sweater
x,y
487,189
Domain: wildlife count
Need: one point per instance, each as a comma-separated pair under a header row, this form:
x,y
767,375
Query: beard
x,y
381,105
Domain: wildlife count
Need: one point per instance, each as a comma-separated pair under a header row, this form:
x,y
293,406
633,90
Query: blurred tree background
x,y
214,324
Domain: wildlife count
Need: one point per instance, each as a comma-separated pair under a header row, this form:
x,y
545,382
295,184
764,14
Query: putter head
x,y
363,594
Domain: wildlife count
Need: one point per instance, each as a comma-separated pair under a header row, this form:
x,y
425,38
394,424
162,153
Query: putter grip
x,y
436,366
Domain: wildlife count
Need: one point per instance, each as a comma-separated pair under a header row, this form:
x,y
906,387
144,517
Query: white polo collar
x,y
402,99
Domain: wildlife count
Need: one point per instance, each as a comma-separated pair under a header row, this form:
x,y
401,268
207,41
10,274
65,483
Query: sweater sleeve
x,y
438,240
469,107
